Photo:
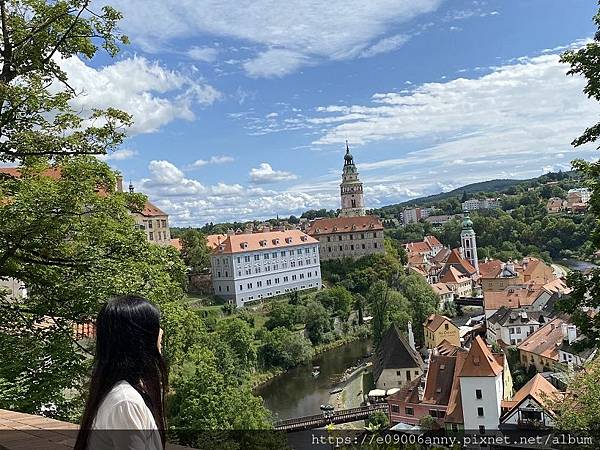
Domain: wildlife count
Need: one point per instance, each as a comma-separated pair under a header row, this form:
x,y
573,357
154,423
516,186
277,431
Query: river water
x,y
297,393
576,264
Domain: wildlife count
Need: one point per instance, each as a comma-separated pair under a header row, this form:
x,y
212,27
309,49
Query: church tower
x,y
468,242
351,189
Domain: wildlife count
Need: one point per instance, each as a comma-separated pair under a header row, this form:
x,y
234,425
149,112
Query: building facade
x,y
438,328
348,237
249,267
351,189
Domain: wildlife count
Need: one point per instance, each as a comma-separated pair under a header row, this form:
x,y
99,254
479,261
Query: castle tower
x,y
351,189
468,242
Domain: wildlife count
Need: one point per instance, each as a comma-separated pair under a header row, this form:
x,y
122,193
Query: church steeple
x,y
351,189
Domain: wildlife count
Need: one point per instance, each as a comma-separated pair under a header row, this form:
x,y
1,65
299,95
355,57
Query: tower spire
x,y
347,147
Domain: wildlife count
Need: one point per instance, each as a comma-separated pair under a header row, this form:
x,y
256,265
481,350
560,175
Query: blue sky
x,y
242,108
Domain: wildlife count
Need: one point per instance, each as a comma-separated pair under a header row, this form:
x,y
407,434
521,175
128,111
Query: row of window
x,y
278,292
160,235
159,223
350,247
267,256
268,268
351,236
278,280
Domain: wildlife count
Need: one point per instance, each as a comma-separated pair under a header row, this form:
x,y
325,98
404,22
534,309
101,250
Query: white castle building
x,y
253,266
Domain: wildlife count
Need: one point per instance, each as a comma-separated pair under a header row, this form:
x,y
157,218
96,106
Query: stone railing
x,y
20,431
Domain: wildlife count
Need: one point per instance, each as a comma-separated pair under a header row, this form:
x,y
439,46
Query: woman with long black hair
x,y
125,408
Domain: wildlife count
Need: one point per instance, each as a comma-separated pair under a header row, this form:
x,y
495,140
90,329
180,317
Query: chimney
x,y
571,333
119,184
411,337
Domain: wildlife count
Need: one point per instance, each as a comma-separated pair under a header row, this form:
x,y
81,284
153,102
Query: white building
x,y
512,326
469,242
411,215
584,193
475,204
247,267
481,388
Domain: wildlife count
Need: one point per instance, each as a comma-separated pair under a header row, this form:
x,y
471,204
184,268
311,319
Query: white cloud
x,y
385,45
119,155
219,159
189,202
152,94
203,54
288,34
275,63
529,107
264,173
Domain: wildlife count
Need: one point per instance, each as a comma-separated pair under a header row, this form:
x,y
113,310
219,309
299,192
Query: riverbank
x,y
259,379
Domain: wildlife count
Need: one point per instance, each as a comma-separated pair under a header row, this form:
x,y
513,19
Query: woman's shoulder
x,y
122,391
124,408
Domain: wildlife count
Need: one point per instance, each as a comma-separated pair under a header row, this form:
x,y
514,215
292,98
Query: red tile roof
x,y
151,210
480,361
237,243
490,268
344,225
455,259
434,321
545,340
452,275
176,242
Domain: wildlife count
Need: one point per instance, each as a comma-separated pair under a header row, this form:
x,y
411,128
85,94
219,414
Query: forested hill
x,y
492,186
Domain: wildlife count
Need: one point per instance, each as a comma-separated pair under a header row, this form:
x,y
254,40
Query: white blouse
x,y
131,424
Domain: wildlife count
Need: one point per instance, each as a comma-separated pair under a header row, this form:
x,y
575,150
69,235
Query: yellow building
x,y
439,328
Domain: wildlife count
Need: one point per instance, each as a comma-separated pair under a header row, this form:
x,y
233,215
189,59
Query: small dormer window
x,y
288,240
244,245
275,241
221,248
303,238
335,228
263,243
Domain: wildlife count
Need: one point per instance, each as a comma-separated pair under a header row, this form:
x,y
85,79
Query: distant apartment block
x,y
249,267
411,215
475,204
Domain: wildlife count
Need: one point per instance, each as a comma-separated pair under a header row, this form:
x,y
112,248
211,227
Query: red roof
x,y
455,259
344,225
236,243
151,210
480,362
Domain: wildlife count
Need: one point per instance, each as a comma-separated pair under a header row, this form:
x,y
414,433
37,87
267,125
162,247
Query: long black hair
x,y
127,331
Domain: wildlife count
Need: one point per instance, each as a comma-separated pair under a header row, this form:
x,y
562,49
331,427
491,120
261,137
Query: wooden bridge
x,y
335,417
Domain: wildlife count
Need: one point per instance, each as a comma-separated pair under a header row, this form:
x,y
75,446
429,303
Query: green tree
x,y
378,420
194,250
282,315
284,348
318,322
338,300
239,336
586,289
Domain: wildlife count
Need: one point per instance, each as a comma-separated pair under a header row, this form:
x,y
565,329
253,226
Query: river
x,y
297,393
576,264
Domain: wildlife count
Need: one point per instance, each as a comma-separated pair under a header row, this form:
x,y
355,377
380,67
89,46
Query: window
x,y
446,326
151,235
247,258
283,253
241,287
395,409
480,411
408,375
256,257
374,244
149,224
481,429
266,256
478,394
274,255
409,411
